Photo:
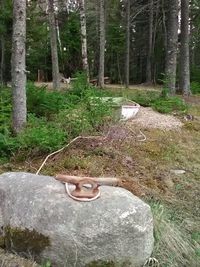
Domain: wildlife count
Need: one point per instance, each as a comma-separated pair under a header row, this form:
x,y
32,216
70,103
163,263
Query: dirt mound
x,y
148,118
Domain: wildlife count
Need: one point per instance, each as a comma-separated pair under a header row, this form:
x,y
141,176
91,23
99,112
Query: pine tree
x,y
172,43
184,50
19,65
54,46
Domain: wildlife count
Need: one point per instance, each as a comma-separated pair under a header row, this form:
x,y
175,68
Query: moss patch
x,y
24,241
101,263
2,242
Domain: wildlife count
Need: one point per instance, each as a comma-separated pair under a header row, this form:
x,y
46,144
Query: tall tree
x,y
83,37
2,45
102,42
19,65
2,65
150,37
172,43
184,49
127,74
54,46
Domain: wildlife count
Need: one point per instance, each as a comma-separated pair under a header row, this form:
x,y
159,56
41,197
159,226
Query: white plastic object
x,y
129,111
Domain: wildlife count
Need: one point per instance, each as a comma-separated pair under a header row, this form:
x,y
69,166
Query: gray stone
x,y
40,221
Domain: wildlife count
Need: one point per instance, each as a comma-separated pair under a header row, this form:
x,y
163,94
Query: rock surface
x,y
12,260
39,220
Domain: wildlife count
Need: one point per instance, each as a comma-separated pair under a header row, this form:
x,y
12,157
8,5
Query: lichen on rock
x,y
101,263
24,241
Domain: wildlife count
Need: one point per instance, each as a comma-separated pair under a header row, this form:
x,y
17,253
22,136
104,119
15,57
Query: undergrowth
x,y
53,118
195,87
156,100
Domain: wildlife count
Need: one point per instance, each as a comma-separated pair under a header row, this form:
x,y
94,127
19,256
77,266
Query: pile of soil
x,y
148,118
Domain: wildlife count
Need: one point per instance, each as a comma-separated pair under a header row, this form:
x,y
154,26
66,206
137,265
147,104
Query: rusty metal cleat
x,y
86,188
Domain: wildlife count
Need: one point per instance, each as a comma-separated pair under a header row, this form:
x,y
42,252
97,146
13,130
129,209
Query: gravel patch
x,y
148,118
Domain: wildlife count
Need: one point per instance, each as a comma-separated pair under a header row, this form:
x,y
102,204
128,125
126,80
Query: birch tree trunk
x,y
102,42
184,50
127,43
18,64
54,47
172,43
149,54
84,37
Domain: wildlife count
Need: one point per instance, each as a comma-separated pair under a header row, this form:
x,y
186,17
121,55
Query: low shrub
x,y
195,73
80,85
145,99
44,103
84,118
169,104
195,88
8,144
74,121
5,109
41,136
160,101
53,118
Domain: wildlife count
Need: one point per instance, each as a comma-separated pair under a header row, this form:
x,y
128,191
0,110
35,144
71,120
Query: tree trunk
x,y
172,43
154,41
149,54
19,65
184,50
84,37
164,28
127,43
102,42
54,47
2,67
2,45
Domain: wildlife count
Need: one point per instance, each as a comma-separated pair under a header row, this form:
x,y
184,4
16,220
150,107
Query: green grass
x,y
173,246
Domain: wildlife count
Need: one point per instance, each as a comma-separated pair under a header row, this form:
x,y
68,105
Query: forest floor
x,y
49,85
158,158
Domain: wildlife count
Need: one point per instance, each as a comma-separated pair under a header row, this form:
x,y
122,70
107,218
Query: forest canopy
x,y
150,23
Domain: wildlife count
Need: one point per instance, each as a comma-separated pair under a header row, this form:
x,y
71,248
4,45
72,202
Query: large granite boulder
x,y
38,220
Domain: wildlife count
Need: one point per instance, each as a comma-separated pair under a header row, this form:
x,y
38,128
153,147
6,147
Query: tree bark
x,y
127,43
18,63
54,47
164,27
154,68
184,50
149,54
84,37
2,66
2,45
102,42
172,43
